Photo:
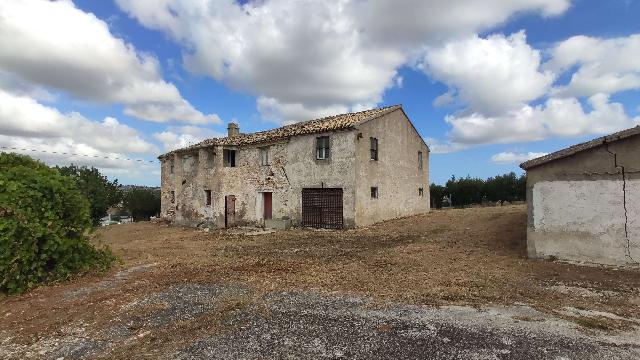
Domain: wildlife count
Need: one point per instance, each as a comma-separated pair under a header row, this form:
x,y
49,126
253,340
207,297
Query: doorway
x,y
322,208
229,211
268,205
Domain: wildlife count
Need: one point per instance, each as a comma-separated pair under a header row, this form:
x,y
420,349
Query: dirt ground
x,y
471,257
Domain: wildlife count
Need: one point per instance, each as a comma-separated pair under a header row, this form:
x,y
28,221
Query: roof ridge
x,y
580,147
327,123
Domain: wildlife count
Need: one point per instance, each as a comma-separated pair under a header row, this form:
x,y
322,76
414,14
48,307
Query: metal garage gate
x,y
322,208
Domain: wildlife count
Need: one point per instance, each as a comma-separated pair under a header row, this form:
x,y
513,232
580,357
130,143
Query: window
x,y
374,148
264,156
374,192
173,197
420,192
322,147
229,157
419,159
171,167
207,195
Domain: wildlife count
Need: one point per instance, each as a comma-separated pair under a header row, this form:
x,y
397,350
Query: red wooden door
x,y
230,211
267,199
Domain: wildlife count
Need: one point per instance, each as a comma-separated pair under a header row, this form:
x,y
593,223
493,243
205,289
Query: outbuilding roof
x,y
325,124
581,147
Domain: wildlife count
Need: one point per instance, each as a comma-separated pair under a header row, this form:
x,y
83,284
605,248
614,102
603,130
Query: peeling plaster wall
x,y
586,207
395,173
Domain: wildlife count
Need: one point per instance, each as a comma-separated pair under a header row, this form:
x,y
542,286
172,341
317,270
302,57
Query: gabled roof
x,y
325,124
581,147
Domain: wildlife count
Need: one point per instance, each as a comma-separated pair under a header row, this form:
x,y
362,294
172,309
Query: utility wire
x,y
83,155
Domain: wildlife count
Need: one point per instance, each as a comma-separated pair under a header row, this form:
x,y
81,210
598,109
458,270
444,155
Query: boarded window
x,y
374,192
229,157
211,158
173,197
374,148
419,159
322,147
207,195
264,156
420,192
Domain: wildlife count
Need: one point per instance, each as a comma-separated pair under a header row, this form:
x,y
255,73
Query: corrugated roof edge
x,y
572,150
209,142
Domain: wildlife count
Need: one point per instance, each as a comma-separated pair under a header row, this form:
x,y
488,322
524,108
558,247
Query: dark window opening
x,y
264,156
173,197
374,148
374,192
229,157
419,159
207,194
171,167
420,191
322,148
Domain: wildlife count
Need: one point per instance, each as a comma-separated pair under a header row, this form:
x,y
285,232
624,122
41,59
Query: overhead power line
x,y
76,154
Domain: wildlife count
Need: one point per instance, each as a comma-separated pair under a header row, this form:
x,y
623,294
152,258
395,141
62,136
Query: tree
x,y
436,193
101,193
44,220
142,203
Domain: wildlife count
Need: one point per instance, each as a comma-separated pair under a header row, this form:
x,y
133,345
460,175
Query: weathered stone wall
x,y
396,173
587,207
293,166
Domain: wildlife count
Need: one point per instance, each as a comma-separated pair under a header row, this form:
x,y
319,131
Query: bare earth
x,y
449,284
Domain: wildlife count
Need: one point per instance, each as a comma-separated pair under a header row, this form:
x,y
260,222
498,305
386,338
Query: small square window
x,y
207,194
420,192
264,156
322,148
374,148
173,197
374,192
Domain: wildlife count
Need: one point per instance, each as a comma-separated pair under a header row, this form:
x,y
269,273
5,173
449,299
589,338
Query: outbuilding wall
x,y
586,207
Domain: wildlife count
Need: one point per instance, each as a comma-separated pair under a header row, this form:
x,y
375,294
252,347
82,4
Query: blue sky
x,y
522,78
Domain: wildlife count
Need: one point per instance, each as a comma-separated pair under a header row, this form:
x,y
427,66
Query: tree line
x,y
467,191
138,202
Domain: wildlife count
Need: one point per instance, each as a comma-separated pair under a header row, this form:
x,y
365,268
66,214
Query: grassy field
x,y
470,257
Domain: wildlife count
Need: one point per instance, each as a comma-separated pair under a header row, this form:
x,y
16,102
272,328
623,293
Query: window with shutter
x,y
374,148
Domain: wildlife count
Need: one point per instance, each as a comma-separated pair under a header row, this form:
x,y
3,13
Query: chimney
x,y
233,130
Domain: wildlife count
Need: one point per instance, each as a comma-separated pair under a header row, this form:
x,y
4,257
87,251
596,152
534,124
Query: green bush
x,y
44,222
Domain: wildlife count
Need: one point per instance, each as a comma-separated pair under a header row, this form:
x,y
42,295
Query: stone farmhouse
x,y
337,172
584,201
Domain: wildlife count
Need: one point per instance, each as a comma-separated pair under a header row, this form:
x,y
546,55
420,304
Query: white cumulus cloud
x,y
556,117
55,44
304,58
603,65
509,157
176,137
492,75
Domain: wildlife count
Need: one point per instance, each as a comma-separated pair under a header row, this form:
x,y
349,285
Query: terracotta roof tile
x,y
580,148
329,123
